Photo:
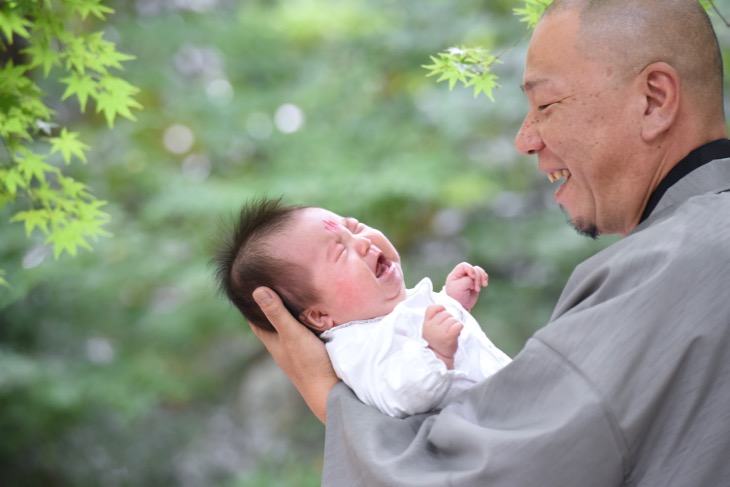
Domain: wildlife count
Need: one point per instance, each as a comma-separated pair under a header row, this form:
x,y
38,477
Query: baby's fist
x,y
464,283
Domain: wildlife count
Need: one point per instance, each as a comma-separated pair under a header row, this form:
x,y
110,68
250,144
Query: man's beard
x,y
584,228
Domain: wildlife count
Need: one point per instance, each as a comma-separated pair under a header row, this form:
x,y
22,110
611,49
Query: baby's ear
x,y
316,319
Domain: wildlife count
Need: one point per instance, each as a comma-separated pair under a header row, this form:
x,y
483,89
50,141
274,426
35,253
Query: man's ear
x,y
661,87
316,319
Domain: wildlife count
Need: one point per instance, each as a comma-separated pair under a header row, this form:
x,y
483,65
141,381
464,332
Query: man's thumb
x,y
263,296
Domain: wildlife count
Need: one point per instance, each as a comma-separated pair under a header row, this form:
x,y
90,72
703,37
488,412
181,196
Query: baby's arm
x,y
441,332
464,283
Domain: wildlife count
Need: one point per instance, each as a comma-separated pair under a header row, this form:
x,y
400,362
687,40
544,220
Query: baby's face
x,y
355,269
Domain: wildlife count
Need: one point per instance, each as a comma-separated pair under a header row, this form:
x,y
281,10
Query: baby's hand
x,y
441,331
464,283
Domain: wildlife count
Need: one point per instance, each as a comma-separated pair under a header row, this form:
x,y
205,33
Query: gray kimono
x,y
627,385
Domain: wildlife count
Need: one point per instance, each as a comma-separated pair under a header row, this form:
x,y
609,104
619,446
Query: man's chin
x,y
582,226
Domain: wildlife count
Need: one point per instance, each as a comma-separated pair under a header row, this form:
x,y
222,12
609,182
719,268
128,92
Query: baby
x,y
404,351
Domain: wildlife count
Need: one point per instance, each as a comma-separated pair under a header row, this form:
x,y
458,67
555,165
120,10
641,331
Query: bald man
x,y
629,382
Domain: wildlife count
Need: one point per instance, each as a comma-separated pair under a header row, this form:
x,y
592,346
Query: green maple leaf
x,y
67,206
58,218
532,11
12,179
484,83
14,126
75,53
72,188
41,54
116,99
95,8
67,238
46,195
33,219
68,145
470,66
92,208
10,23
105,53
32,109
80,85
93,220
440,64
13,78
32,165
59,206
448,70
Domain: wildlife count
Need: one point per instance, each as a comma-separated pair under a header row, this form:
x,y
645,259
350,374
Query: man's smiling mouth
x,y
558,175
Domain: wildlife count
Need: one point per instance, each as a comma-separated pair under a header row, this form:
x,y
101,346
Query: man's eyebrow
x,y
530,85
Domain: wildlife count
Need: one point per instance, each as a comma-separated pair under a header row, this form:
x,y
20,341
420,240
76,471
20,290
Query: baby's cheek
x,y
348,292
356,300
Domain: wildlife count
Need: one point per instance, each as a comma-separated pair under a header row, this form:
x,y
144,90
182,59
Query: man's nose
x,y
528,140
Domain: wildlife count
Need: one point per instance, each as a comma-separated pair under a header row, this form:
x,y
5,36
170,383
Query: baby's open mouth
x,y
382,266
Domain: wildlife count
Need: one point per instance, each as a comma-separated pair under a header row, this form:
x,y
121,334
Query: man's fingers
x,y
263,335
256,331
270,339
272,306
264,296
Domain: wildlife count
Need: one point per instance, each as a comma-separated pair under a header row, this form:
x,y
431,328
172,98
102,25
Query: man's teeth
x,y
559,174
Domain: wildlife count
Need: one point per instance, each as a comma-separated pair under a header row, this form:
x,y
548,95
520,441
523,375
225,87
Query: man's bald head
x,y
632,34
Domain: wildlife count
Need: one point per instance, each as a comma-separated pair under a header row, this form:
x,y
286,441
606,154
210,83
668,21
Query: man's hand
x,y
441,331
464,283
297,351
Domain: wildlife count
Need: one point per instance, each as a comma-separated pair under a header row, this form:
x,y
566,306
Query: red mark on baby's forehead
x,y
331,225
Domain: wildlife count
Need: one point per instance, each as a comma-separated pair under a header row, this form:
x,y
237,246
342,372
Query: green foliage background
x,y
122,367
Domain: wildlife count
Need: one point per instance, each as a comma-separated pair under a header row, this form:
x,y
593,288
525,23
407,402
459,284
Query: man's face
x,y
354,269
583,127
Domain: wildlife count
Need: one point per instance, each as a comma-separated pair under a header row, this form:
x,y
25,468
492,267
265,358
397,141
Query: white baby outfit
x,y
388,364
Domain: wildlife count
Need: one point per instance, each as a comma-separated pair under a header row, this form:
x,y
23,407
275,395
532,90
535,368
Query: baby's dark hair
x,y
244,261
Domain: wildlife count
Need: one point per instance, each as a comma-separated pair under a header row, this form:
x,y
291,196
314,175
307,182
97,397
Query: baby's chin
x,y
387,306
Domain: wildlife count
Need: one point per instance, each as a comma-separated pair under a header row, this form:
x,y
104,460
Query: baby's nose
x,y
362,244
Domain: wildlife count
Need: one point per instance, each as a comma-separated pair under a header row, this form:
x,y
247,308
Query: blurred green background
x,y
122,367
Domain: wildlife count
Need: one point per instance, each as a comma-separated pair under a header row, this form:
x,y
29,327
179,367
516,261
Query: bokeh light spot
x,y
289,118
178,139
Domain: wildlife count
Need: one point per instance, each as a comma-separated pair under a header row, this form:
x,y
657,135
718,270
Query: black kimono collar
x,y
718,149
